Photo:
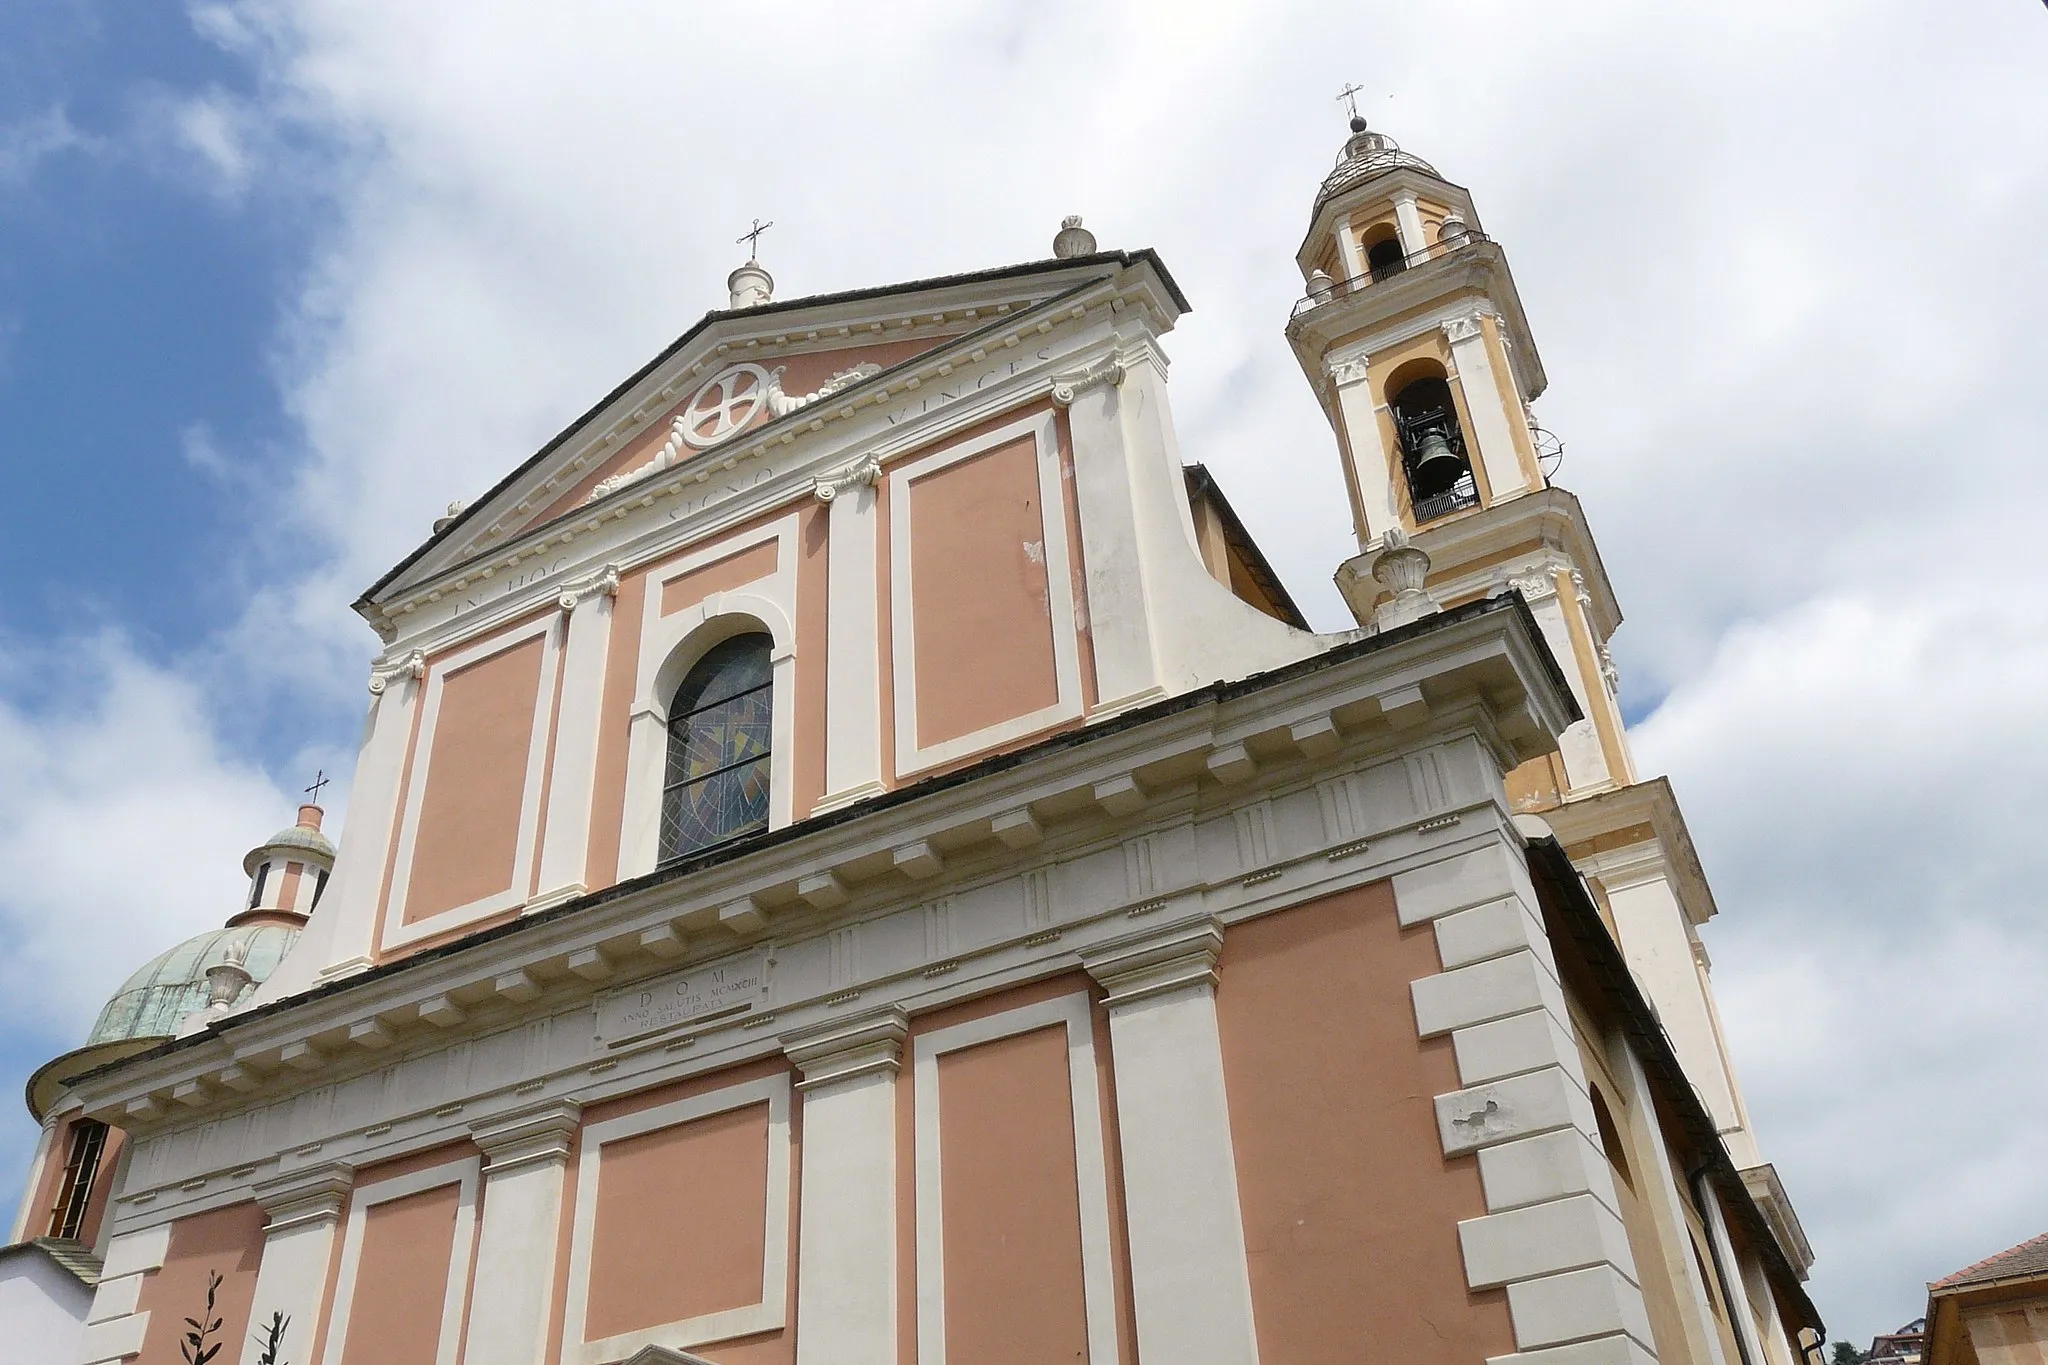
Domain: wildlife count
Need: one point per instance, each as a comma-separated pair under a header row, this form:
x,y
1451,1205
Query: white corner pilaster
x,y
853,667
526,1159
1127,666
1651,924
1189,1281
1552,1236
1585,761
113,1328
1491,433
565,844
1735,1289
1371,471
1408,222
304,1211
27,1213
1657,1184
846,1222
350,903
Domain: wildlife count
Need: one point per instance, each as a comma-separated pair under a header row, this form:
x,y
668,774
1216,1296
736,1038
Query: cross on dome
x,y
752,237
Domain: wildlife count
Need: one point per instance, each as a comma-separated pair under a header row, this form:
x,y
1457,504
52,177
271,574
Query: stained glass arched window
x,y
718,742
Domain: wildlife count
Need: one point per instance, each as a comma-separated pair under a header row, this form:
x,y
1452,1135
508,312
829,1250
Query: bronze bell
x,y
1437,466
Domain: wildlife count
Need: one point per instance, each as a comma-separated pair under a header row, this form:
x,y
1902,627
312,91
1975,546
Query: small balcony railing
x,y
1386,272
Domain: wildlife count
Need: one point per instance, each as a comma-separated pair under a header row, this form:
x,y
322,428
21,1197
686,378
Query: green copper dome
x,y
172,985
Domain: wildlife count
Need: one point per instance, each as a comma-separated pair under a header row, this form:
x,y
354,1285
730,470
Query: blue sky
x,y
280,278
135,306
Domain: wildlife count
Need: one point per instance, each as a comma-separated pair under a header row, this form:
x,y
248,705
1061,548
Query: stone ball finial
x,y
1072,239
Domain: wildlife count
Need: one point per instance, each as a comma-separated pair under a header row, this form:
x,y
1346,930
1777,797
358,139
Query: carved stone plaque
x,y
712,991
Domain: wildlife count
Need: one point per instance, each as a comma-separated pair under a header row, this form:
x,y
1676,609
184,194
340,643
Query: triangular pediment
x,y
726,382
663,1355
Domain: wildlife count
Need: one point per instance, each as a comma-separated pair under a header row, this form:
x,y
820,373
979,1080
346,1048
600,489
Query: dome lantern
x,y
287,872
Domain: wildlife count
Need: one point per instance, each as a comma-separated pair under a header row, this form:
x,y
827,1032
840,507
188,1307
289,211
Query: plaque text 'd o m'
x,y
711,991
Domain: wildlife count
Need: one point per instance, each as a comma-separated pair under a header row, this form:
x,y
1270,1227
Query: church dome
x,y
172,985
1366,155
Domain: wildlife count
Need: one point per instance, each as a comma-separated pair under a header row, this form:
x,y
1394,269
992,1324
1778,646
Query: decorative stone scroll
x,y
413,665
603,583
1067,387
861,473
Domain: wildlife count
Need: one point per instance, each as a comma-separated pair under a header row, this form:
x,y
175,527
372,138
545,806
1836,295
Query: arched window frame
x,y
670,646
688,715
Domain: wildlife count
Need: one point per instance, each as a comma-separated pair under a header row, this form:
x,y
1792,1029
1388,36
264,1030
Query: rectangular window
x,y
256,891
81,1168
319,888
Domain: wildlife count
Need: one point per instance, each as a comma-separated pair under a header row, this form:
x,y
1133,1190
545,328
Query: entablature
x,y
1229,802
1407,305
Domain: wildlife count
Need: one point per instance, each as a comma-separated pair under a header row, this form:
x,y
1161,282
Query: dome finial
x,y
1349,94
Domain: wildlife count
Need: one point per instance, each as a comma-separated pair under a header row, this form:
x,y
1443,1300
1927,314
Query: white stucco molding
x,y
845,1049
541,1134
1108,371
1172,958
411,665
603,583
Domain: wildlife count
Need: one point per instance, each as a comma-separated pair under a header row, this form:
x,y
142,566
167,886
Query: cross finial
x,y
1349,94
320,779
752,237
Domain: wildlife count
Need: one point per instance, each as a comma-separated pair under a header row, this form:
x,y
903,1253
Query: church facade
x,y
855,858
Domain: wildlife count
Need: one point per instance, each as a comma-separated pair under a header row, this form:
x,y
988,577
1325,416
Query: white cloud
x,y
1860,774
1771,253
122,819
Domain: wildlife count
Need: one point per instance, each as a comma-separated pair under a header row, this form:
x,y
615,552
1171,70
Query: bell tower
x,y
1412,334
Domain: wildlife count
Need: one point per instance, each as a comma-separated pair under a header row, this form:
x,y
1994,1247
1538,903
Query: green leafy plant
x,y
195,1347
271,1337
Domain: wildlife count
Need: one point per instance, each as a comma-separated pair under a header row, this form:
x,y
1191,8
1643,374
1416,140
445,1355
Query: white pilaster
x,y
1189,1281
1658,1186
1353,255
298,1246
846,1272
1490,431
565,844
1585,761
1119,614
853,669
526,1159
1371,471
337,940
1651,924
1734,1290
28,1212
1408,222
